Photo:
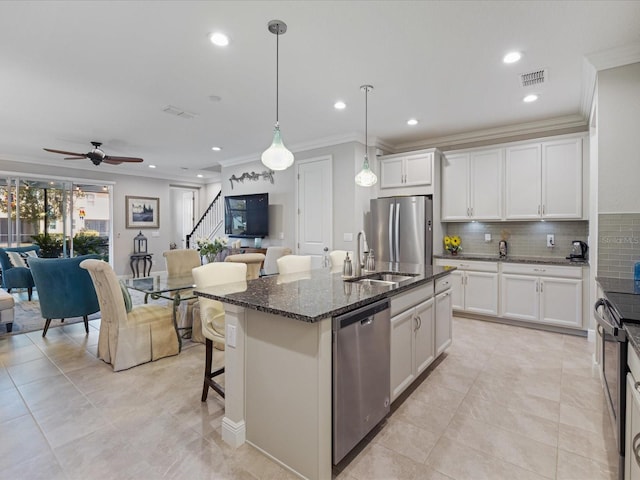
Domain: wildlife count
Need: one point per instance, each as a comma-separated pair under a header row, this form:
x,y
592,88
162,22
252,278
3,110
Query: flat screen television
x,y
246,216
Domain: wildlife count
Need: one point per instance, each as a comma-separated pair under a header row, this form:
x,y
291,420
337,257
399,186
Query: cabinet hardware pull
x,y
419,322
636,447
636,386
541,286
536,287
472,211
543,209
415,321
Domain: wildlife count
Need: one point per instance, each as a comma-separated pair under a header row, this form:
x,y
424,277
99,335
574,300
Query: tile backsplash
x,y
618,244
524,239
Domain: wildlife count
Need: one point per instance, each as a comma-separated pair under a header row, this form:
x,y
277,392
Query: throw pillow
x,y
16,259
30,253
126,296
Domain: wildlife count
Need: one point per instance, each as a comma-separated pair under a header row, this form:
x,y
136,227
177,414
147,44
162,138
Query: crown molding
x,y
615,57
558,123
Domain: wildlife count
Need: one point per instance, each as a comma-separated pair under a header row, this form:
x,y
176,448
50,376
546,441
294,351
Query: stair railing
x,y
209,223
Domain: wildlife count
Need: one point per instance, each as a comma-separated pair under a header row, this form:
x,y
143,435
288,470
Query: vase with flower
x,y
453,244
211,249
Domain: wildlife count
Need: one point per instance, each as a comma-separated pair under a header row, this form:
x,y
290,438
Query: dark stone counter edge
x,y
331,313
532,260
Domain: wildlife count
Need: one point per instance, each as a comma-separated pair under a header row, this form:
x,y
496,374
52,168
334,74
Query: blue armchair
x,y
16,277
65,290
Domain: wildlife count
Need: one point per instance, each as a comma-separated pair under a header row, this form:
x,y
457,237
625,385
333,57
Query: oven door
x,y
614,365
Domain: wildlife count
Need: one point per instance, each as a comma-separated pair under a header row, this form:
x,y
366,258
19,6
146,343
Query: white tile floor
x,y
503,403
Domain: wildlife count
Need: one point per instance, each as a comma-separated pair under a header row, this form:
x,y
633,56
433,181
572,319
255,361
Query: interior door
x,y
315,208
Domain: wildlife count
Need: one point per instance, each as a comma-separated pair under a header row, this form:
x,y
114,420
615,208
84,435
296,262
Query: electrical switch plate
x,y
551,240
155,234
487,237
231,335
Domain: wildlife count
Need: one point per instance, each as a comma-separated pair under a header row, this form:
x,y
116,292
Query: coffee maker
x,y
579,250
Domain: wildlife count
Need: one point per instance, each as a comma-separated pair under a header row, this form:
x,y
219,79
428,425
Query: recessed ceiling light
x,y
530,98
199,175
512,57
219,39
216,149
339,105
152,166
412,121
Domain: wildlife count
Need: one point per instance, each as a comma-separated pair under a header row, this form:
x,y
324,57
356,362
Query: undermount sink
x,y
381,279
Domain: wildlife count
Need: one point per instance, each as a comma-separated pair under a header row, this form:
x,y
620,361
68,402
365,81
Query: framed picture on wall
x,y
142,212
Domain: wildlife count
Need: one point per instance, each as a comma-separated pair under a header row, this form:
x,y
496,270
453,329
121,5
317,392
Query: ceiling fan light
x,y
366,177
277,156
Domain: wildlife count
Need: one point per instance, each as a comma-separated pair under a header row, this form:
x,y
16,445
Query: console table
x,y
134,263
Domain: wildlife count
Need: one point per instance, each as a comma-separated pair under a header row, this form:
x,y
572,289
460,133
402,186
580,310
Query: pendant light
x,y
277,157
366,178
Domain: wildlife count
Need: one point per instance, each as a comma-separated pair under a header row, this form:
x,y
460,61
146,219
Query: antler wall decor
x,y
266,175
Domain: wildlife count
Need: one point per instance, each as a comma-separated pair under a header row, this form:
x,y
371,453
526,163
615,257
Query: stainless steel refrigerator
x,y
402,229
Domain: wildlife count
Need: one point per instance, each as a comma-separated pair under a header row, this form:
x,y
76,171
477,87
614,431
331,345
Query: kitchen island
x,y
278,358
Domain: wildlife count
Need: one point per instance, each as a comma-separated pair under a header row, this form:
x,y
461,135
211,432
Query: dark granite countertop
x,y
513,259
317,294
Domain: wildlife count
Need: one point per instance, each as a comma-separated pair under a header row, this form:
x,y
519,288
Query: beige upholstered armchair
x,y
179,264
294,264
273,254
253,260
129,337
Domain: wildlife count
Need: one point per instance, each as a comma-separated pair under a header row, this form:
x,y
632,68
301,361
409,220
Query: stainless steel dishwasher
x,y
361,374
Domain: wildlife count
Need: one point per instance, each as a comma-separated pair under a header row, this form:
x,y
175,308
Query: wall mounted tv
x,y
246,216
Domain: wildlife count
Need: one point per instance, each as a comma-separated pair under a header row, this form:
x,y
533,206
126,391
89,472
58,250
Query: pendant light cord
x,y
366,116
277,74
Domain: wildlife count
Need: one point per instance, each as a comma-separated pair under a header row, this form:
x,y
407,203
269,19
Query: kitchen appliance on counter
x,y
361,374
502,248
402,229
579,250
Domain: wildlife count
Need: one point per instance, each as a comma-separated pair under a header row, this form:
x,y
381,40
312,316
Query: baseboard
x,y
591,335
233,433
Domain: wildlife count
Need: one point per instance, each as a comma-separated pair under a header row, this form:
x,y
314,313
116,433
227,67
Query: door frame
x,y
321,158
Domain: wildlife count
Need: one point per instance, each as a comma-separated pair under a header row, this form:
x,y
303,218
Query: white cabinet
x,y
632,419
420,331
542,293
443,320
474,286
544,180
412,345
472,185
406,170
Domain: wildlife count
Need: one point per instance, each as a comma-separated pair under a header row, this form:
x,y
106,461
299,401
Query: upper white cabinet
x,y
472,185
544,180
530,180
406,170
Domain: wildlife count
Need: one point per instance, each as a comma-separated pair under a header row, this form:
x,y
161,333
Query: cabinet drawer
x,y
443,284
634,362
542,270
402,302
469,265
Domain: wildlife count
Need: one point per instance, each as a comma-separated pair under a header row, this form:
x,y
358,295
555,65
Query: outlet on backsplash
x,y
551,240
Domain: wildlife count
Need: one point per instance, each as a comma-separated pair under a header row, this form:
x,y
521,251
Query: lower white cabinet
x,y
443,326
412,345
544,294
474,286
632,419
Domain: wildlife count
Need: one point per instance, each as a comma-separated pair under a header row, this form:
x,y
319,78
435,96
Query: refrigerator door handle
x,y
396,244
391,250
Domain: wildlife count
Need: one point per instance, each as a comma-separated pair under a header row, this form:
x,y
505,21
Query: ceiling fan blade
x,y
123,159
111,161
75,158
63,152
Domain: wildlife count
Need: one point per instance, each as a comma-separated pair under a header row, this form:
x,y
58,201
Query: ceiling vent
x,y
536,77
179,112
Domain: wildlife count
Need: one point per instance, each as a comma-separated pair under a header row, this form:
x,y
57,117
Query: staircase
x,y
209,224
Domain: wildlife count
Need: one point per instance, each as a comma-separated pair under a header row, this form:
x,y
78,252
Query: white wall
x,y
618,122
350,202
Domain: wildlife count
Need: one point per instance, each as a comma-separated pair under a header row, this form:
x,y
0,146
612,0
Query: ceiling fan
x,y
97,156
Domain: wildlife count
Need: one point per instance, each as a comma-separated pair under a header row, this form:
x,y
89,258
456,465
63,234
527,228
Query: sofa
x,y
17,276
